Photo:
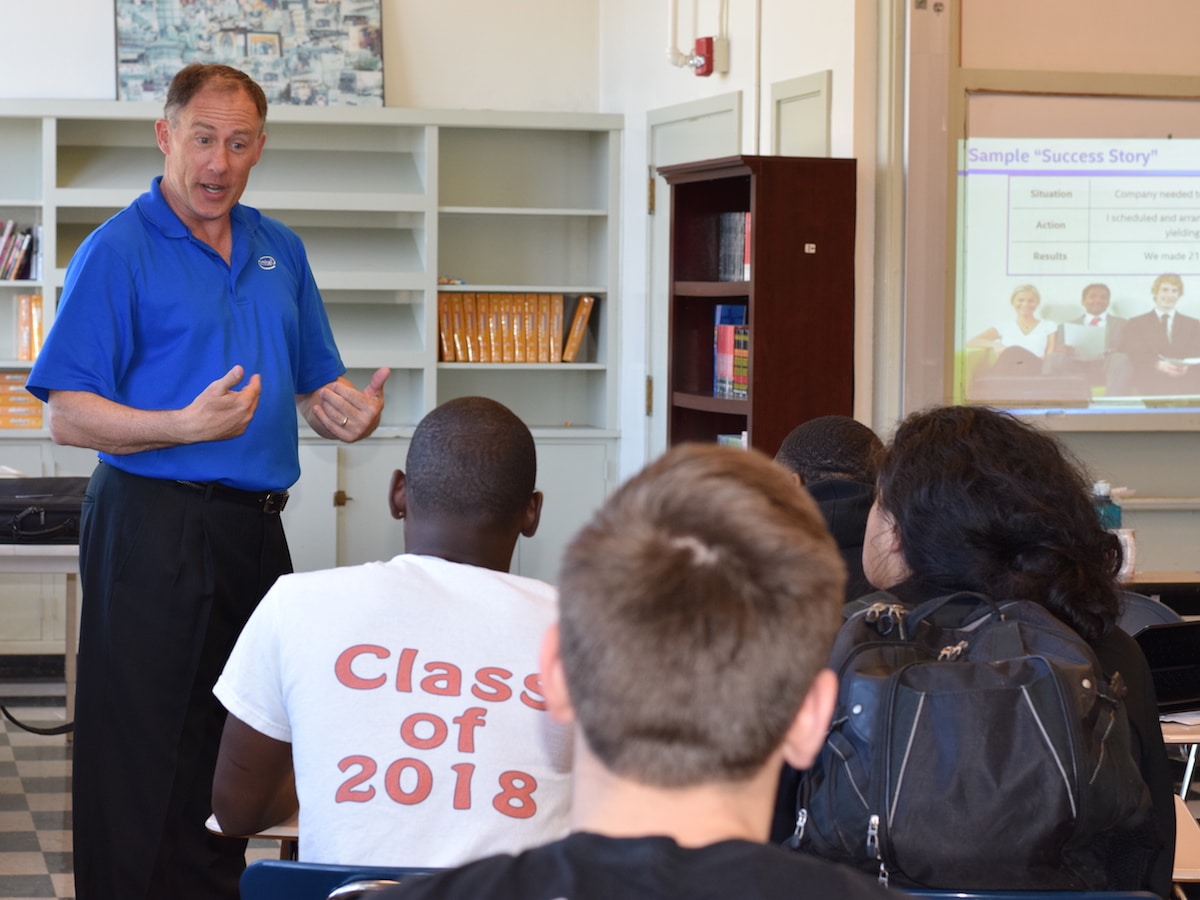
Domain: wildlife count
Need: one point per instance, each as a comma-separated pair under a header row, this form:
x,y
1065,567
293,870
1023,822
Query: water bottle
x,y
1106,507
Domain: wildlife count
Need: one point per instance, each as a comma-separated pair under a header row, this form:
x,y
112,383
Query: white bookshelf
x,y
386,201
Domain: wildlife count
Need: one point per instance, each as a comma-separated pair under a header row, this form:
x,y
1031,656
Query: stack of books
x,y
18,407
731,351
29,326
510,328
18,252
733,246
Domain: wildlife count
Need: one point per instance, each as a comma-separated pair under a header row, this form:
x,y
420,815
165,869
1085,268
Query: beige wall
x,y
1148,37
514,55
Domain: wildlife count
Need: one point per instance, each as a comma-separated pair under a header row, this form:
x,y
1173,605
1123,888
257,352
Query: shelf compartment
x,y
505,168
693,357
363,257
537,251
703,425
404,394
379,166
372,334
562,395
21,160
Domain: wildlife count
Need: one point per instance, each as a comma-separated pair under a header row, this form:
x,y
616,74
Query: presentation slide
x,y
1070,253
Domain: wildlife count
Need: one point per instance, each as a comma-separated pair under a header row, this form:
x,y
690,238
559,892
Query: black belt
x,y
271,502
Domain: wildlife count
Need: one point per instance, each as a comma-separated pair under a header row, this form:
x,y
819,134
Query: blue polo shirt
x,y
150,316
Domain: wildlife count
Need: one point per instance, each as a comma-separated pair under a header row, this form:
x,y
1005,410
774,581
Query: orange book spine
x,y
25,326
556,327
507,352
516,322
483,313
470,336
456,327
445,328
529,310
37,327
583,311
543,328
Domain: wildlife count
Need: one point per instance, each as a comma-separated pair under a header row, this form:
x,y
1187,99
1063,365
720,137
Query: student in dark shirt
x,y
696,613
834,458
973,499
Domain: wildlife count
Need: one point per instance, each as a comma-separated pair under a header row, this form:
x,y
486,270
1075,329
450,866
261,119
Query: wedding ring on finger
x,y
345,419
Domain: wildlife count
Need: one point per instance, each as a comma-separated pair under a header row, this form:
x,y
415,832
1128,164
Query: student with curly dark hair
x,y
971,499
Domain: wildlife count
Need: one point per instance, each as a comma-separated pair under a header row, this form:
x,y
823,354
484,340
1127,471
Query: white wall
x,y
58,48
450,54
467,54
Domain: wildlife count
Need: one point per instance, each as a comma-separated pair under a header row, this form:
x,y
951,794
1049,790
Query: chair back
x,y
278,879
1141,611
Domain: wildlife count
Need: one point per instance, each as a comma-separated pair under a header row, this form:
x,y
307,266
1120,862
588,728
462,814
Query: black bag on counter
x,y
41,510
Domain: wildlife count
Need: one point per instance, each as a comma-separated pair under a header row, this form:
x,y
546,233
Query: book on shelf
x,y
516,322
530,326
725,315
733,246
18,252
470,339
445,328
7,238
746,245
741,362
29,326
483,326
504,322
723,362
556,328
456,327
583,311
495,328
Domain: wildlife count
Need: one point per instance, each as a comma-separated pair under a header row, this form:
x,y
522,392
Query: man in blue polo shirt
x,y
189,332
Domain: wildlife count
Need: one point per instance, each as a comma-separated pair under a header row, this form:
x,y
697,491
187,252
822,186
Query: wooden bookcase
x,y
799,294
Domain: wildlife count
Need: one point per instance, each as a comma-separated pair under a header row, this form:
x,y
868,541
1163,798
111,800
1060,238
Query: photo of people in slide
x,y
1078,274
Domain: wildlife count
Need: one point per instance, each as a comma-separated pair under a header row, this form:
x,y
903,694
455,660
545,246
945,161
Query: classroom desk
x,y
1179,590
286,832
1187,844
52,559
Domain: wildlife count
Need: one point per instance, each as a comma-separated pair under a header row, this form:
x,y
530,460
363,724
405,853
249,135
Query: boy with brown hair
x,y
696,614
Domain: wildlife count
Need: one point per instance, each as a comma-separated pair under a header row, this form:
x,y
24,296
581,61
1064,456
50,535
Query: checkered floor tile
x,y
35,808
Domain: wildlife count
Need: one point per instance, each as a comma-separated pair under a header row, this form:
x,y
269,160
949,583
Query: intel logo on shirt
x,y
266,262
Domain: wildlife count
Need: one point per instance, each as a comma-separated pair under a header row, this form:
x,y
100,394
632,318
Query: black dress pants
x,y
169,576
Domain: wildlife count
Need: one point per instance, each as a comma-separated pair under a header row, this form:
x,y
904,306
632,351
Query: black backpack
x,y
974,746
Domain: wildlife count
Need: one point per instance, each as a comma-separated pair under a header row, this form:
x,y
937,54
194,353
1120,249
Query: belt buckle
x,y
274,502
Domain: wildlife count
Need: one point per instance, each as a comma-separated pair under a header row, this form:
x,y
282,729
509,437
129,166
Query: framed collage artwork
x,y
302,52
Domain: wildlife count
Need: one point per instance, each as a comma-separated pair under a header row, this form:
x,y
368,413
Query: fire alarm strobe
x,y
704,56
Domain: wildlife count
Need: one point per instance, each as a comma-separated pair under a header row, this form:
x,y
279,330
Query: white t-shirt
x,y
1011,335
410,694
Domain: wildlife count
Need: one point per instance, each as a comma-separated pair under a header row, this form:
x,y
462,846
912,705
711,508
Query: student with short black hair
x,y
407,692
697,610
834,458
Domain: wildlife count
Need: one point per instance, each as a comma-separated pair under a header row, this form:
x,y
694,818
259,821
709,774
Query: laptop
x,y
1173,652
